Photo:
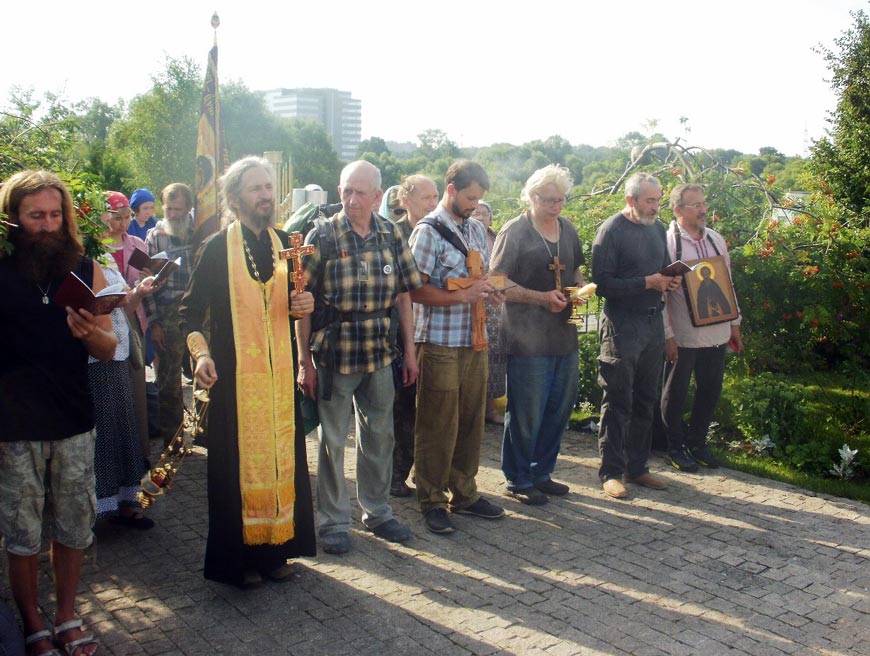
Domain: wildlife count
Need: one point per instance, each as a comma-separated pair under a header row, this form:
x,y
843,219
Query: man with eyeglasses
x,y
689,349
628,254
359,271
540,253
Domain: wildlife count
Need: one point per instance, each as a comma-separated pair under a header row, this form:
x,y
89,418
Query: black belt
x,y
623,310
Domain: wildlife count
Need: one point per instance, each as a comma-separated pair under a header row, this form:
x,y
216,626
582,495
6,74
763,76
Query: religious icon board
x,y
709,292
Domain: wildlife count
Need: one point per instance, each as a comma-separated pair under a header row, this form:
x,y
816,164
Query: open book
x,y
677,268
75,293
139,259
166,270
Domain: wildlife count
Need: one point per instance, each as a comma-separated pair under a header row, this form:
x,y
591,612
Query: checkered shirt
x,y
171,292
361,282
440,260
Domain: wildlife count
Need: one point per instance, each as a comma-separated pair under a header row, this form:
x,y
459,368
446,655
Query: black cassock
x,y
206,304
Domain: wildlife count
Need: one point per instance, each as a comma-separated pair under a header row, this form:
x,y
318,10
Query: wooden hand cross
x,y
557,270
474,264
295,253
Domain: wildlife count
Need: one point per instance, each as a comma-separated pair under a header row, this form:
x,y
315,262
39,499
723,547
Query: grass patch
x,y
769,468
838,412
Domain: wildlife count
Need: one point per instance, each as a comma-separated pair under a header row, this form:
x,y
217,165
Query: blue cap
x,y
140,196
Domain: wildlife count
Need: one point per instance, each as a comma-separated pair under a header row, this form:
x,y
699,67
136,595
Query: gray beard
x,y
261,221
175,229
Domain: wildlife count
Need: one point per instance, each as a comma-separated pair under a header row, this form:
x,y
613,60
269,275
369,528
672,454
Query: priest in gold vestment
x,y
241,295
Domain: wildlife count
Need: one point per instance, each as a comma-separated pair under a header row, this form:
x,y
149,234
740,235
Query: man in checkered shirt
x,y
451,392
359,271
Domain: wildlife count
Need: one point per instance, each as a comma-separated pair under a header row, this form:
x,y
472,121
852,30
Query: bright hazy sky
x,y
743,72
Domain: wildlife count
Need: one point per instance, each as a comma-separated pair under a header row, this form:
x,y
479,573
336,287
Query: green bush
x,y
587,388
765,415
763,406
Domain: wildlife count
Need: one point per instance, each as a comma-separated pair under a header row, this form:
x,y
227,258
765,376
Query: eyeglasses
x,y
694,206
399,211
560,200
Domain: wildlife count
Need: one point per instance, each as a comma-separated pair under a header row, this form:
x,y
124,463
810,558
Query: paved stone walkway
x,y
720,563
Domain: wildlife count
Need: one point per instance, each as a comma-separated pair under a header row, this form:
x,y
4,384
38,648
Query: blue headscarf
x,y
140,196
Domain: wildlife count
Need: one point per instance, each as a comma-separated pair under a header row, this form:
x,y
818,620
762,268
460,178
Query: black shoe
x,y
335,543
481,508
400,489
392,531
137,520
553,488
703,456
438,521
681,460
530,496
250,579
280,574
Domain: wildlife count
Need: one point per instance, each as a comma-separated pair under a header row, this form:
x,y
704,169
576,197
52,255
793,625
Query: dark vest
x,y
44,393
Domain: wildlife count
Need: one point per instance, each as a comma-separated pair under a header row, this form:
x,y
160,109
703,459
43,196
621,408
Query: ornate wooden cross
x,y
474,264
295,253
557,270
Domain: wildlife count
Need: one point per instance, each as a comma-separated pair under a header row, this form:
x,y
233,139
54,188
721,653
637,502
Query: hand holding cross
x,y
295,253
474,264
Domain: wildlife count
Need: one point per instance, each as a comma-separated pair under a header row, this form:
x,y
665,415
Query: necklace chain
x,y
44,291
266,290
543,239
251,260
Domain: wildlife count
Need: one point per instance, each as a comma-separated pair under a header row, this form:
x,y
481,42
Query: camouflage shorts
x,y
61,471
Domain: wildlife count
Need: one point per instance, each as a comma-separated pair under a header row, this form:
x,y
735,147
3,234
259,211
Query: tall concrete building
x,y
336,111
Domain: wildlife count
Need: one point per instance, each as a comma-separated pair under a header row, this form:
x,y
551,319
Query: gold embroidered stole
x,y
265,387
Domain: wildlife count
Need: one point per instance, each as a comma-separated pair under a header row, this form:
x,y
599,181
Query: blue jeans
x,y
541,391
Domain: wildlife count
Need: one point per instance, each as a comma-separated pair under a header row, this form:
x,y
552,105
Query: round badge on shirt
x,y
387,269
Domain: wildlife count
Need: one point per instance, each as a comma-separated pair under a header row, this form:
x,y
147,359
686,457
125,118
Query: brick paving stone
x,y
717,564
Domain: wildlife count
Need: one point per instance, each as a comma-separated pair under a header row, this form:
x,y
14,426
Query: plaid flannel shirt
x,y
158,241
360,282
439,259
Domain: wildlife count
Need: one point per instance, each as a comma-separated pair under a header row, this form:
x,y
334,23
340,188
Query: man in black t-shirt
x,y
627,254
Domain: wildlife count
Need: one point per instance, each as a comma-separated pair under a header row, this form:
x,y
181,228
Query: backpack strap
x,y
447,234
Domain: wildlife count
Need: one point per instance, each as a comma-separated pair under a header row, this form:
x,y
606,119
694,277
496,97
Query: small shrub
x,y
587,387
764,406
845,469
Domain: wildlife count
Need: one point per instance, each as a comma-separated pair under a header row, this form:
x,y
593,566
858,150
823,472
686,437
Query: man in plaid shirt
x,y
172,234
359,271
451,392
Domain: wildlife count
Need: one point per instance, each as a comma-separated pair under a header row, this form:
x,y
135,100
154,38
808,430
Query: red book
x,y
139,259
75,293
165,270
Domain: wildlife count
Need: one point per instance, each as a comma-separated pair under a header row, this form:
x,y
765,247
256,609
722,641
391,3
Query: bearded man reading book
x,y
47,441
173,235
